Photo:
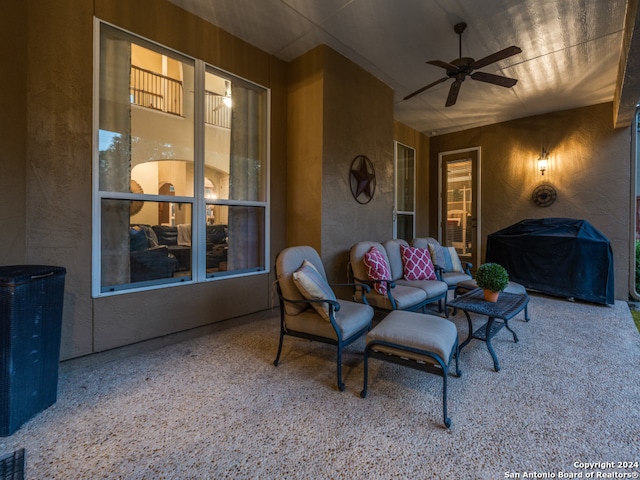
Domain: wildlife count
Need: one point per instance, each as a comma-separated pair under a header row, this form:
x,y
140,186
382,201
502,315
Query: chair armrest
x,y
365,289
368,283
467,268
439,271
364,286
332,303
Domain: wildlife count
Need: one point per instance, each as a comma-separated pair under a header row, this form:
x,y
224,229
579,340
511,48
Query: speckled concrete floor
x,y
216,407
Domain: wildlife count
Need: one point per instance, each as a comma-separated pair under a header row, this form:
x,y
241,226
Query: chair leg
x,y
447,420
457,355
442,305
363,393
455,295
526,313
340,383
445,370
277,360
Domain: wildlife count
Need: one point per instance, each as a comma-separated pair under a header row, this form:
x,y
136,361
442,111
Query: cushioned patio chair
x,y
396,292
309,309
451,270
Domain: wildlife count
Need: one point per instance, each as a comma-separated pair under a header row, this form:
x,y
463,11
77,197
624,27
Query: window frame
x,y
198,202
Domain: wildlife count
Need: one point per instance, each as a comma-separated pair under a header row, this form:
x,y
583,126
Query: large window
x,y
180,169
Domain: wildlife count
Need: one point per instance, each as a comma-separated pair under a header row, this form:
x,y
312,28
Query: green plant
x,y
492,276
636,318
637,266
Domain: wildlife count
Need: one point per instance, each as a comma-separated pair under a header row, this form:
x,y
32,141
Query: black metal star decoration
x,y
362,179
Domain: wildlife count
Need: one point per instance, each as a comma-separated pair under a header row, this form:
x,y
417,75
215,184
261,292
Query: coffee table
x,y
499,313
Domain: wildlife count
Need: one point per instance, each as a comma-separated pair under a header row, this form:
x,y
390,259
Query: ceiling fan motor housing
x,y
459,28
464,66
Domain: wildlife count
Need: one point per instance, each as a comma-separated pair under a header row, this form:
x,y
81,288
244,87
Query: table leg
x,y
470,335
515,337
496,363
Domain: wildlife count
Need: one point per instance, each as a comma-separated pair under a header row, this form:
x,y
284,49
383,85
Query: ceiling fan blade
x,y
453,93
495,57
494,79
440,63
425,88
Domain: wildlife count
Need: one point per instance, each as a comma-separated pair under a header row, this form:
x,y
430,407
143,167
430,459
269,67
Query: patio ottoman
x,y
416,340
512,287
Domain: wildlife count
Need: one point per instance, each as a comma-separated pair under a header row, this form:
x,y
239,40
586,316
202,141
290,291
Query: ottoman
x,y
416,340
512,287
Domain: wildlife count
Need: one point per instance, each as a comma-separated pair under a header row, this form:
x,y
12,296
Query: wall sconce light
x,y
543,161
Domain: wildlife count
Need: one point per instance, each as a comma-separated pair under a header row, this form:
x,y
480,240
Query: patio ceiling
x,y
571,50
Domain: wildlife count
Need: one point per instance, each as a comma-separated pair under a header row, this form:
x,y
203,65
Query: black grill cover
x,y
558,256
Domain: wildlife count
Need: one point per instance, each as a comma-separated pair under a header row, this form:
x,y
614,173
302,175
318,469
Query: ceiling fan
x,y
462,67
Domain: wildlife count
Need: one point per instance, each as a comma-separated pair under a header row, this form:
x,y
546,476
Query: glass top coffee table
x,y
499,313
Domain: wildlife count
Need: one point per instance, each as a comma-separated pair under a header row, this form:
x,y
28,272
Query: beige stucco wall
x,y
337,111
589,167
13,131
305,89
358,120
52,152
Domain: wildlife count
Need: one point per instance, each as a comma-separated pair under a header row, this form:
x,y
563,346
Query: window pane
x,y
235,243
235,133
404,178
136,249
146,116
405,227
459,200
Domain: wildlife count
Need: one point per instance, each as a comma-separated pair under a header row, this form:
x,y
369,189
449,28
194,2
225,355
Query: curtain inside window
x,y
114,162
246,225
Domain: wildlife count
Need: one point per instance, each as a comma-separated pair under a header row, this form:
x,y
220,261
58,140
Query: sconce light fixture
x,y
543,161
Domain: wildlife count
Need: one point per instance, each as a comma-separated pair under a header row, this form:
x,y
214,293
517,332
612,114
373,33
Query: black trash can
x,y
31,298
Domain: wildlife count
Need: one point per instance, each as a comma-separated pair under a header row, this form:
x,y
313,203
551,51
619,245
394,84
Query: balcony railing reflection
x,y
159,92
216,110
152,90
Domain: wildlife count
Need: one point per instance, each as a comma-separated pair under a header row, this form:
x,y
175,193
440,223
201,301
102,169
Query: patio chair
x,y
390,290
451,270
309,309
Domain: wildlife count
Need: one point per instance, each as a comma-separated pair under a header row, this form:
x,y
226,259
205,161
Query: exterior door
x,y
404,205
460,203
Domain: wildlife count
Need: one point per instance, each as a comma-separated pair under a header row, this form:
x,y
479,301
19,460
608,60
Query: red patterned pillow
x,y
377,269
417,264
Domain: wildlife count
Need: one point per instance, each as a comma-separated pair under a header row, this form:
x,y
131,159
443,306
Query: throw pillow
x,y
377,269
445,257
416,263
313,286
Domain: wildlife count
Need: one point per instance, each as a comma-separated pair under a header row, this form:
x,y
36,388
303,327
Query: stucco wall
x,y
336,112
358,120
304,149
57,166
13,132
589,167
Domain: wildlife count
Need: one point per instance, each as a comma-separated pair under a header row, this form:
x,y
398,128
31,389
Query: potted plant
x,y
493,278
